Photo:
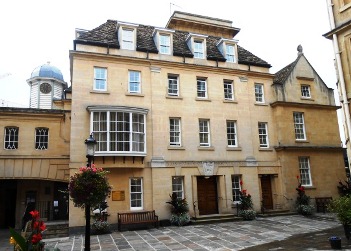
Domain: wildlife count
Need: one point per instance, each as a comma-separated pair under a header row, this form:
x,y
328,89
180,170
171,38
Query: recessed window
x,y
100,79
299,125
228,90
136,193
263,134
177,186
230,53
199,49
204,132
259,93
305,171
127,39
236,188
305,91
41,138
201,88
173,85
134,85
231,134
174,132
165,44
11,138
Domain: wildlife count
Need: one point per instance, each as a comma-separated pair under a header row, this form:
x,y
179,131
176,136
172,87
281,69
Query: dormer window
x,y
197,44
163,40
127,35
228,49
305,91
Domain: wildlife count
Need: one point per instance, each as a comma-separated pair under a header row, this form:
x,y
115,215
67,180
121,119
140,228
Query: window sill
x,y
265,149
234,148
174,97
135,94
203,99
205,148
99,92
301,141
261,104
230,101
306,98
176,148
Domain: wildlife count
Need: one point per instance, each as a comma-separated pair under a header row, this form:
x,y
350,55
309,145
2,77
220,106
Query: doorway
x,y
266,187
207,195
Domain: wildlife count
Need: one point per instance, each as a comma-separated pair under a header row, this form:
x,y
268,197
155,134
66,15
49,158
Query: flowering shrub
x,y
34,241
89,186
246,206
100,227
303,201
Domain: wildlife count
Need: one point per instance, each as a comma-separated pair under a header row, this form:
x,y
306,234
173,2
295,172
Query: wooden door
x,y
207,195
266,186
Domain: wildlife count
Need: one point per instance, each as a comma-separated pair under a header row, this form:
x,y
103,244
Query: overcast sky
x,y
37,31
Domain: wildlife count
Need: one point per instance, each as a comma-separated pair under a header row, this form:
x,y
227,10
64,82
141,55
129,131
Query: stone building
x,y
34,157
187,109
340,33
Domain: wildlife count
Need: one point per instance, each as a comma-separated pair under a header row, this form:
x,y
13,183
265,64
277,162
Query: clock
x,y
45,88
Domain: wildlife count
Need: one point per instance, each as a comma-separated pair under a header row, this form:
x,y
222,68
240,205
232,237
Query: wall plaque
x,y
118,195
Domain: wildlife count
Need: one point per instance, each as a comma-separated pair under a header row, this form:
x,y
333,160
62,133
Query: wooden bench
x,y
142,217
322,203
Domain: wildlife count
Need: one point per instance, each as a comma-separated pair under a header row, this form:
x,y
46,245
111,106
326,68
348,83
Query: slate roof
x,y
106,35
281,76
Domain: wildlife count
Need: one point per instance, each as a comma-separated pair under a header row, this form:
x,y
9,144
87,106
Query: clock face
x,y
45,88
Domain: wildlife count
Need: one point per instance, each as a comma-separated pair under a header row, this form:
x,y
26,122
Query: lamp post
x,y
90,145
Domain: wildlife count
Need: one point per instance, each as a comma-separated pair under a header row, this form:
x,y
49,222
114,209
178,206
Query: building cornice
x,y
311,148
306,105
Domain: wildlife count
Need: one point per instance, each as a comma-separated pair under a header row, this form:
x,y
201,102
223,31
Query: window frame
x,y
11,138
100,80
141,192
203,88
165,48
199,51
204,129
178,185
305,171
263,134
173,133
134,85
305,93
118,137
235,134
171,79
128,38
228,54
259,93
236,188
228,91
299,125
41,140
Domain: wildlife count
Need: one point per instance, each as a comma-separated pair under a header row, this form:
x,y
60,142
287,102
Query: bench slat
x,y
137,218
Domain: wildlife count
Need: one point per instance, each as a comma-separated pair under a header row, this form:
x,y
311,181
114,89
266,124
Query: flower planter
x,y
335,242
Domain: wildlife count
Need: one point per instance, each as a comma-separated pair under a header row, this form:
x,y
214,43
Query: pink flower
x,y
35,214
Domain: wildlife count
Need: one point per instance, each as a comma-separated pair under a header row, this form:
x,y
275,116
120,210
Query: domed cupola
x,y
46,85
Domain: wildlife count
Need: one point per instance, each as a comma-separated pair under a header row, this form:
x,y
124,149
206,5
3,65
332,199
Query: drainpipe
x,y
340,71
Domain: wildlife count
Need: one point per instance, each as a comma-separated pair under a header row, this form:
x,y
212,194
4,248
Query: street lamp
x,y
90,144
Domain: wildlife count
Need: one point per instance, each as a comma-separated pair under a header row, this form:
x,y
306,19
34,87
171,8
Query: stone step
x,y
56,230
207,219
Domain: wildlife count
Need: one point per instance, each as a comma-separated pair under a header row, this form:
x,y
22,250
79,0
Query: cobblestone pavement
x,y
273,233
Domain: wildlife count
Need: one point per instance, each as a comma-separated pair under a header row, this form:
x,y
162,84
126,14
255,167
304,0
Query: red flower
x,y
297,176
241,182
42,226
35,214
36,238
244,191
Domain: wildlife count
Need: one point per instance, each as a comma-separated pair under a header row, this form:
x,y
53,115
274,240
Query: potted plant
x,y
180,210
246,206
342,208
303,201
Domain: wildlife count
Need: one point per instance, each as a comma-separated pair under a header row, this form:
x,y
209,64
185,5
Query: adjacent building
x,y
184,108
340,23
34,157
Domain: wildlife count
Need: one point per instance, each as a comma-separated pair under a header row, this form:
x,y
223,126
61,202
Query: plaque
x,y
118,195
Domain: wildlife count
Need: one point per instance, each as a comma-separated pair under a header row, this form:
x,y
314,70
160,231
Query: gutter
x,y
340,71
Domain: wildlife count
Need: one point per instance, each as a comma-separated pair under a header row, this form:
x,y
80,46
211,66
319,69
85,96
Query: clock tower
x,y
46,85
